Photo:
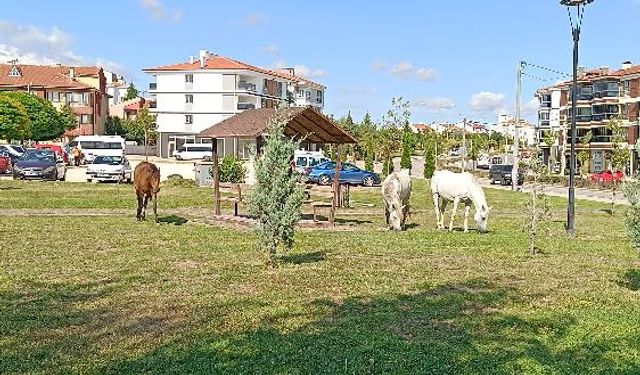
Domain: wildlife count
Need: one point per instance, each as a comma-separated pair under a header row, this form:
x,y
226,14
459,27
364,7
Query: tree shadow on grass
x,y
172,219
450,329
630,280
10,188
314,257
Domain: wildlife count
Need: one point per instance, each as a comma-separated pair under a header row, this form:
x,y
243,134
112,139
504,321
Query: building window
x,y
14,72
308,94
300,93
86,119
319,96
544,116
626,89
188,78
188,119
188,98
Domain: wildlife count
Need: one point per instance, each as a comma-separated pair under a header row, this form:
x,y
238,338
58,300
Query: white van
x,y
304,159
193,151
98,145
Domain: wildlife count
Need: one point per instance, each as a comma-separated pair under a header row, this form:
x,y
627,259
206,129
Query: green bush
x,y
232,170
429,162
176,180
632,220
368,162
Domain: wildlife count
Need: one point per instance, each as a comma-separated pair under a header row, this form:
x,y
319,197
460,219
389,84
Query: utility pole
x,y
464,143
516,136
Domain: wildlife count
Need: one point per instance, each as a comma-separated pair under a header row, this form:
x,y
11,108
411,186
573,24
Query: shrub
x,y
368,162
429,162
176,180
632,219
405,159
232,170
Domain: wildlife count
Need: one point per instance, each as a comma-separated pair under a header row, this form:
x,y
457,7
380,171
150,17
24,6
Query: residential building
x,y
81,87
116,87
128,109
420,128
507,125
602,95
194,95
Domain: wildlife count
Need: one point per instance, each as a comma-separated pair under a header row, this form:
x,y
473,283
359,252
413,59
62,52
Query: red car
x,y
5,163
607,176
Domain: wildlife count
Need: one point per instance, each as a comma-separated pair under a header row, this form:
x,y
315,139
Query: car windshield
x,y
42,156
110,160
20,149
349,167
325,165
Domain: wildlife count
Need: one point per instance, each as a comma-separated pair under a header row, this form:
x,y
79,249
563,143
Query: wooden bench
x,y
236,198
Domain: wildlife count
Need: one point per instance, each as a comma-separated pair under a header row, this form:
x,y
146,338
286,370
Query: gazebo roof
x,y
303,122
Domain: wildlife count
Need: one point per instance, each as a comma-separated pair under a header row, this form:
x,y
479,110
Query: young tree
x,y
391,134
132,92
278,194
537,208
632,217
407,148
584,156
619,154
550,137
113,126
367,141
44,121
14,120
429,146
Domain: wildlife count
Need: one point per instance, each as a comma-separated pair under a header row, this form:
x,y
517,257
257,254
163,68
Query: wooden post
x,y
215,174
336,186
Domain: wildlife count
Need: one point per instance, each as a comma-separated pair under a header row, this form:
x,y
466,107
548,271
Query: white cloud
x,y
426,74
486,101
357,91
255,19
530,107
159,12
402,69
272,50
31,45
379,65
304,71
434,104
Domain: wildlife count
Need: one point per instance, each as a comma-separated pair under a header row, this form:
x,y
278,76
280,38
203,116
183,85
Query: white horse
x,y
448,186
396,192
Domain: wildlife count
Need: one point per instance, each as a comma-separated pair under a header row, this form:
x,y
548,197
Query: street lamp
x,y
579,6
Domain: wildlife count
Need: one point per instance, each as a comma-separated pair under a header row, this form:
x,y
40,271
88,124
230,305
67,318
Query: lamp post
x,y
579,6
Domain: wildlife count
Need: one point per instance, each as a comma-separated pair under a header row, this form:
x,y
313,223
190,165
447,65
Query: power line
x,y
547,69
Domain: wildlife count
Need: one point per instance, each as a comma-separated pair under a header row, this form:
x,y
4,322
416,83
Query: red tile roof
x,y
216,62
45,76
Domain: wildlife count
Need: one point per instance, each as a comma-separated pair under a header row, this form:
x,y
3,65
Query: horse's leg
x,y
144,206
436,208
443,209
456,200
140,203
467,207
155,207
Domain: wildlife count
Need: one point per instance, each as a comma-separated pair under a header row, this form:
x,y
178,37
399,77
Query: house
x,y
420,128
116,87
81,87
128,109
194,95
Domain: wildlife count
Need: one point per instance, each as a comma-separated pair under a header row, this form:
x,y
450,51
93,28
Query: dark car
x,y
501,173
13,151
39,164
349,174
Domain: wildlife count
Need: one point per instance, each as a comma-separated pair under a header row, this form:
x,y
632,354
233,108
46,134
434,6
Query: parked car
x,y
501,173
193,151
109,168
14,151
306,159
483,163
323,174
5,162
607,176
39,164
59,150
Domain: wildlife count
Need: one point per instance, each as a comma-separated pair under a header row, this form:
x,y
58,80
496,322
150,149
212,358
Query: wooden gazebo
x,y
302,122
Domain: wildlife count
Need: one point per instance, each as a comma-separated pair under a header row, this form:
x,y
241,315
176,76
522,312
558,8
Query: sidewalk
x,y
559,191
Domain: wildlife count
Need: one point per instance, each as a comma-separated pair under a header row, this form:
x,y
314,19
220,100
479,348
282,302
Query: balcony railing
x,y
601,139
153,86
248,86
545,105
245,106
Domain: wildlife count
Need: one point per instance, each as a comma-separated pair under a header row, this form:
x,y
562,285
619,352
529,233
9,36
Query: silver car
x,y
109,168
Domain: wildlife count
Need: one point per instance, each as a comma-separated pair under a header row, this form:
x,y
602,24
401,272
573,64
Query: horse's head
x,y
481,216
396,215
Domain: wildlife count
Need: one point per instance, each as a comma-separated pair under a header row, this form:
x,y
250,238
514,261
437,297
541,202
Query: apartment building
x,y
194,95
507,125
81,87
116,87
602,95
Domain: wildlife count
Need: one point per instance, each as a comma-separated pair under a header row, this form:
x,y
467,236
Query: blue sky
x,y
433,53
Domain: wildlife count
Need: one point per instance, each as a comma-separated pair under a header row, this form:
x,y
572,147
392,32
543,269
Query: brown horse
x,y
146,179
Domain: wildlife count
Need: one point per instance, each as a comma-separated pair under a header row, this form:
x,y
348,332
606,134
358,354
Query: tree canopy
x,y
44,121
14,121
132,92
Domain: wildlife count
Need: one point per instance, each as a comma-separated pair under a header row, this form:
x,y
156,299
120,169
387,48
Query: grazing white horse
x,y
396,191
448,186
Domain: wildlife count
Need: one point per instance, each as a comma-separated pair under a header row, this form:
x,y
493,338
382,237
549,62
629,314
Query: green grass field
x,y
105,294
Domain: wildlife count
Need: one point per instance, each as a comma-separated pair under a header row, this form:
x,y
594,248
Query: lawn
x,y
107,295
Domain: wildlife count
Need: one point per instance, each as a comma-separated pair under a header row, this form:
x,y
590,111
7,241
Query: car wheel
x,y
324,180
368,181
89,180
492,181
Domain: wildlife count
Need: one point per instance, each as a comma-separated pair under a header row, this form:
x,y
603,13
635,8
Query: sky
x,y
449,59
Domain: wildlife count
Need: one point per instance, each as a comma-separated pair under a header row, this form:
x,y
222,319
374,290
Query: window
x,y
188,119
279,89
544,116
318,96
188,98
188,78
626,89
300,93
308,94
302,161
86,119
55,96
15,72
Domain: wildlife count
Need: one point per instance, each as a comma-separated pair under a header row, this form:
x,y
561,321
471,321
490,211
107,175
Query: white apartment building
x,y
549,120
116,87
507,125
194,95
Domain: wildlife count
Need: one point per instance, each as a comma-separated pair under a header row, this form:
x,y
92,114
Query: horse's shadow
x,y
172,219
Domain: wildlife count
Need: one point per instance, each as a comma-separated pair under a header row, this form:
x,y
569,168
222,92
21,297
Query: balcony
x,y
601,139
245,106
247,86
153,86
545,104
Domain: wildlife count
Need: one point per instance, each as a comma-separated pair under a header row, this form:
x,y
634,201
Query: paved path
x,y
559,191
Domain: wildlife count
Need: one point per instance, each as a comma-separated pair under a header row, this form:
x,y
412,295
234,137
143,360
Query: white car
x,y
109,168
193,151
